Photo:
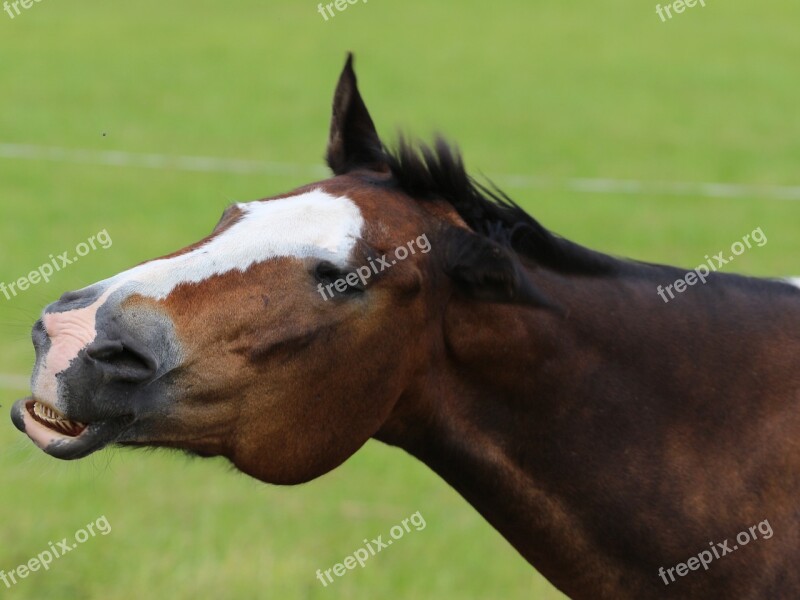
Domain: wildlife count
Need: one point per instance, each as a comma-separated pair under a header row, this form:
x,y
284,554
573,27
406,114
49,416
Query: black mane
x,y
424,172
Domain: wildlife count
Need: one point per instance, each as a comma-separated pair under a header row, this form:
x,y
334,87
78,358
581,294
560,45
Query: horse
x,y
612,438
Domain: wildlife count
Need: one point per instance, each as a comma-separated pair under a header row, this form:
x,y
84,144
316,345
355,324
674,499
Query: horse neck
x,y
480,419
554,425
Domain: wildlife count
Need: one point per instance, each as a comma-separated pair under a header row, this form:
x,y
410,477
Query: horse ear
x,y
484,270
353,141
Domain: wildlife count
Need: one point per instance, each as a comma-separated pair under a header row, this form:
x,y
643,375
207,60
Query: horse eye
x,y
328,273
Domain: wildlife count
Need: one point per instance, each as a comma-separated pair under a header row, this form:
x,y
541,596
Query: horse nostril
x,y
122,361
70,296
39,334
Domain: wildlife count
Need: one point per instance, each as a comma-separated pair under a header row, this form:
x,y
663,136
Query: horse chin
x,y
61,437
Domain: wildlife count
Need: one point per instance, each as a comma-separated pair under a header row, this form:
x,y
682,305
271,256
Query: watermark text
x,y
718,550
713,264
56,263
370,549
57,550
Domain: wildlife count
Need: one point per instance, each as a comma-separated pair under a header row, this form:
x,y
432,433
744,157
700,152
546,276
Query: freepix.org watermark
x,y
718,550
339,5
57,550
718,261
679,6
370,549
26,4
57,262
362,274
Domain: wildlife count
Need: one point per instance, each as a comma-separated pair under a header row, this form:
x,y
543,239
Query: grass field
x,y
546,89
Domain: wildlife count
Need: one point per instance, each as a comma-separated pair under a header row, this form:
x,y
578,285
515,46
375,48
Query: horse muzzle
x,y
99,369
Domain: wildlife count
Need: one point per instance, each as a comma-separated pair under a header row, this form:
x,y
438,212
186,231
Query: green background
x,y
548,90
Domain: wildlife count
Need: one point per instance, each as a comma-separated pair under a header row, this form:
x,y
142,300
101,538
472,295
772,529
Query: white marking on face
x,y
794,281
311,225
69,332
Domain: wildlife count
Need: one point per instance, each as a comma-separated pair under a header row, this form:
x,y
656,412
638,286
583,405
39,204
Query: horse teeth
x,y
56,421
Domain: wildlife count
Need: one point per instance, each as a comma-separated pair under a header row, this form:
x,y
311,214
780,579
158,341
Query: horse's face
x,y
274,341
283,340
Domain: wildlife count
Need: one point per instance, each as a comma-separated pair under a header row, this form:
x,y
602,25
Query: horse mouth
x,y
48,416
61,437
